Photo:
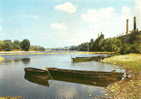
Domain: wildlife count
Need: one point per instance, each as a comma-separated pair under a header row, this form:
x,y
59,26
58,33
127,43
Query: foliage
x,y
2,59
16,44
8,45
128,61
130,43
25,45
37,48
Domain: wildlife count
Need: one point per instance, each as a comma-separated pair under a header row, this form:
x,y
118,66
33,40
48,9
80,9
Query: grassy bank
x,y
49,52
129,88
85,52
129,61
1,59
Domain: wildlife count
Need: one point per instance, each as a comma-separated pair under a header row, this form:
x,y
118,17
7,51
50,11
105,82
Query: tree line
x,y
130,43
9,45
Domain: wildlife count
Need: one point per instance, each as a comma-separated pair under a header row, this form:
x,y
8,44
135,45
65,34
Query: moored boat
x,y
96,78
110,76
30,70
93,58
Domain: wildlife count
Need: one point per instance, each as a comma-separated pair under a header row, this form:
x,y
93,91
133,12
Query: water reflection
x,y
37,79
25,61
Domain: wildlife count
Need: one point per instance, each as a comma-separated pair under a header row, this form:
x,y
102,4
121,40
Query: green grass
x,y
1,59
128,88
129,61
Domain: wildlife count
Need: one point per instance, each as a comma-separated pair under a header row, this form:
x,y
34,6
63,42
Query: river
x,y
13,82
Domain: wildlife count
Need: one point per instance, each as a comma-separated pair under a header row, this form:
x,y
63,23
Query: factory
x,y
134,26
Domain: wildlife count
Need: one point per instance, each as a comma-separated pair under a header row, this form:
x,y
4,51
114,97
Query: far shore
x,y
2,59
50,52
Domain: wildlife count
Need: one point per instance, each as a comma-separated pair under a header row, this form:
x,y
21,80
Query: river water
x,y
13,82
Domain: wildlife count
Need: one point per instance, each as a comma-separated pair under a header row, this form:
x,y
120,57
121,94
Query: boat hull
x,y
96,78
85,59
97,75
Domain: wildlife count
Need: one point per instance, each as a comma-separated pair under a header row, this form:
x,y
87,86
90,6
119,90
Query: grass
x,y
129,61
9,97
129,88
1,59
50,52
96,52
125,89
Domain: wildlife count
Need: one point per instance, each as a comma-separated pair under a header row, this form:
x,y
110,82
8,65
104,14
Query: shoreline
x,y
2,59
50,52
128,61
130,87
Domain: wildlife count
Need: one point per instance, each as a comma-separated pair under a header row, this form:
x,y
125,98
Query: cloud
x,y
58,26
138,11
66,7
107,20
72,92
94,15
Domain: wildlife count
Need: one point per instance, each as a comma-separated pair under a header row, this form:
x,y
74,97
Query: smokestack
x,y
127,26
135,24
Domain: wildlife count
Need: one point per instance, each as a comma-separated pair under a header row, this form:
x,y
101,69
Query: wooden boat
x,y
85,59
35,71
38,79
96,78
86,74
37,76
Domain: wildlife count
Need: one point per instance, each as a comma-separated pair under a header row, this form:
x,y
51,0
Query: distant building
x,y
134,26
127,26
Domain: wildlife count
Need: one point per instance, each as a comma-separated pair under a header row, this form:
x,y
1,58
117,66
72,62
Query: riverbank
x,y
130,87
1,59
50,52
129,61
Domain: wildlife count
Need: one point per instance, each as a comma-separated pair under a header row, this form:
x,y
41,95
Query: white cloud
x,y
107,20
58,26
138,11
66,7
94,15
126,12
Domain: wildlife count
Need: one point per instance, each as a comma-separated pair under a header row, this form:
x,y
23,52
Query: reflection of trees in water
x,y
25,61
16,60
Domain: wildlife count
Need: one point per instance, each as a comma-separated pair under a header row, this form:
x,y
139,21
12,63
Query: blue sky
x,y
58,23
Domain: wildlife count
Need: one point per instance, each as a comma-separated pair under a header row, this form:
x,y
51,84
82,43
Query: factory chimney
x,y
135,24
127,26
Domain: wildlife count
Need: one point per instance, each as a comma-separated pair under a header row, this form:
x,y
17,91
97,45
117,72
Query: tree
x,y
8,45
16,44
91,45
98,43
25,45
37,48
2,45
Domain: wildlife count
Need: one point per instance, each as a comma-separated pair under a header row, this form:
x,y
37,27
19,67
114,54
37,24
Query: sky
x,y
59,23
